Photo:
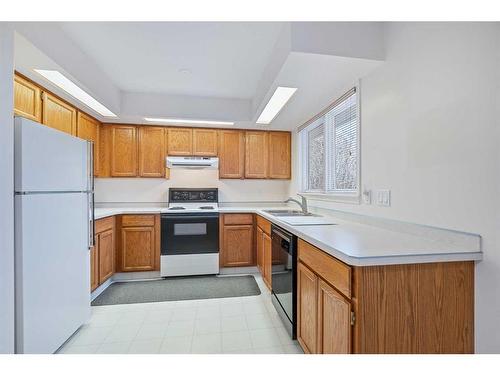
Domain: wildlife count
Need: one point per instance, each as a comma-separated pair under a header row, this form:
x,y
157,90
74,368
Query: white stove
x,y
190,233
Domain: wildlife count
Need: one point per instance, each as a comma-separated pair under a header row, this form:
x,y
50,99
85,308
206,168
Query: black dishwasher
x,y
284,277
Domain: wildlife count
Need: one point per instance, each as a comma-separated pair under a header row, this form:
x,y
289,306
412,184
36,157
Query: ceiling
x,y
218,59
223,71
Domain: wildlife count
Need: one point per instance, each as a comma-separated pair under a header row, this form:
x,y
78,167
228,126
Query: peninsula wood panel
x,y
152,151
264,224
106,255
204,142
88,128
446,324
123,151
280,155
180,141
57,114
237,248
256,154
307,309
27,99
260,250
231,154
334,321
415,308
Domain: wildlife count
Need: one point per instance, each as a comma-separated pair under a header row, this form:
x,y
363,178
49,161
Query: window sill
x,y
340,198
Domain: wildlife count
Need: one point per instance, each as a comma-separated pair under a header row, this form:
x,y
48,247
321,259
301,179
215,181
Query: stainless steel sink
x,y
288,213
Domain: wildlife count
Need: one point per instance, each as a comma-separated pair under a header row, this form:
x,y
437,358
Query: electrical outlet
x,y
367,196
384,198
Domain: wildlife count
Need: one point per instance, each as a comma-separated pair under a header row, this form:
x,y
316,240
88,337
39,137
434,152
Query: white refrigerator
x,y
54,230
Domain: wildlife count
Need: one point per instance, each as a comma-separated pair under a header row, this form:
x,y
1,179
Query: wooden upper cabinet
x,y
180,141
123,151
231,154
334,321
256,154
280,155
152,151
89,128
27,99
58,114
204,142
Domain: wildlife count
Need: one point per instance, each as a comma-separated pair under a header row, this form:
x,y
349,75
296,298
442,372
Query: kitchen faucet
x,y
302,205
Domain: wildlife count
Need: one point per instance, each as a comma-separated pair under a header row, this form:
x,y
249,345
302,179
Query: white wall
x,y
156,190
430,133
6,190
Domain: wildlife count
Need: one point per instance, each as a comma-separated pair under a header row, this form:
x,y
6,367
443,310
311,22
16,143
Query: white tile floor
x,y
240,325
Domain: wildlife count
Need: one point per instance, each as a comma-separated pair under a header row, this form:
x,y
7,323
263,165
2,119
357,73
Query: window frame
x,y
345,196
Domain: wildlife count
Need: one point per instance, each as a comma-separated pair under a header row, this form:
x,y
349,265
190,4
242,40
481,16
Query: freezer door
x,y
52,269
48,160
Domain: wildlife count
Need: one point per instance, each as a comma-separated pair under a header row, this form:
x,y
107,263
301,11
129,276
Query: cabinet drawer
x,y
138,220
238,219
333,271
264,224
102,225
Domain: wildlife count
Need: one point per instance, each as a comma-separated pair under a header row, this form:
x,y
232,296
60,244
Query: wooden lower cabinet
x,y
237,240
334,321
264,249
139,248
102,255
407,308
106,255
307,309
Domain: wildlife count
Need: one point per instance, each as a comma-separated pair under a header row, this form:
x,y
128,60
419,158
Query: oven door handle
x,y
189,217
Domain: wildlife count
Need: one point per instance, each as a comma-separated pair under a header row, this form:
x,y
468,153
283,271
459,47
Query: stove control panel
x,y
193,195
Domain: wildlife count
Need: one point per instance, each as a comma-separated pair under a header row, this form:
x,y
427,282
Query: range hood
x,y
192,162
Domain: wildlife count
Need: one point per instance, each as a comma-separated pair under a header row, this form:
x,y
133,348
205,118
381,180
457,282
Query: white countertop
x,y
353,243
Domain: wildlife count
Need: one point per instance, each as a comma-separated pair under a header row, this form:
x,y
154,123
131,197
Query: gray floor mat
x,y
177,289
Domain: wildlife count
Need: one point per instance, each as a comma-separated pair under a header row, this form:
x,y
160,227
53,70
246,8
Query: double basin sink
x,y
289,213
294,217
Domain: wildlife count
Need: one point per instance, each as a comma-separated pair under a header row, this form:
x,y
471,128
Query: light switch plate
x,y
384,198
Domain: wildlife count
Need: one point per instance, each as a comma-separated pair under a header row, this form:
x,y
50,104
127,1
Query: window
x,y
330,150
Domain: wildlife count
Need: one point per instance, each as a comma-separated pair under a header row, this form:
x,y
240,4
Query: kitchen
x,y
260,211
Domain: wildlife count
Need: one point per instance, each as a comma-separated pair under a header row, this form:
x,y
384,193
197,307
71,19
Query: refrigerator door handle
x,y
90,194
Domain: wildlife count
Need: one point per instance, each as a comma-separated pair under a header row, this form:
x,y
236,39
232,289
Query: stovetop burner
x,y
206,208
177,208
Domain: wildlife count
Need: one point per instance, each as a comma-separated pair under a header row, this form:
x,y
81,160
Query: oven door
x,y
189,233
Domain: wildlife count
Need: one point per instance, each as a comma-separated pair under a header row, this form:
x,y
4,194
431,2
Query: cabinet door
x,y
256,154
237,248
260,250
27,99
106,255
94,266
231,154
58,114
180,141
279,155
88,128
204,142
152,151
138,249
123,151
267,259
334,321
307,309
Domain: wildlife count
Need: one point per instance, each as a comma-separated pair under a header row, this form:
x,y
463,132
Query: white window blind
x,y
330,149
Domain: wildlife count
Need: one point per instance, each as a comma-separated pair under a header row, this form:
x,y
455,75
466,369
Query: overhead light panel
x,y
64,83
280,97
180,121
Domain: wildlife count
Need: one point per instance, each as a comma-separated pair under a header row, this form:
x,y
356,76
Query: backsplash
x,y
155,190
